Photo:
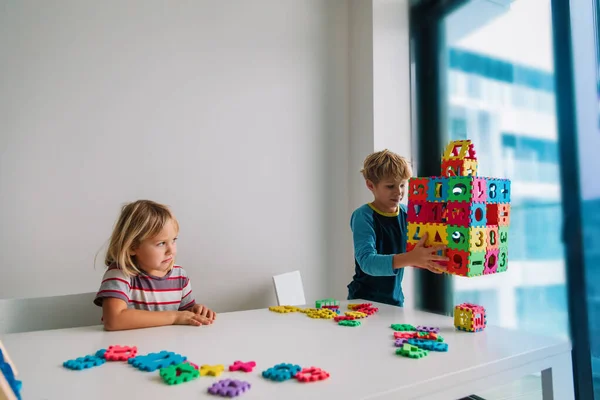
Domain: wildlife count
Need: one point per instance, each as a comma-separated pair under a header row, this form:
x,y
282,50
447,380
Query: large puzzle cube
x,y
469,317
467,213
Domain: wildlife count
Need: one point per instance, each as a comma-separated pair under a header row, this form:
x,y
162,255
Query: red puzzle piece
x,y
120,353
405,335
244,366
312,374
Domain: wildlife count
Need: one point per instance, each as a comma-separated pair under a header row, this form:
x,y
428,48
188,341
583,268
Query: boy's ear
x,y
370,185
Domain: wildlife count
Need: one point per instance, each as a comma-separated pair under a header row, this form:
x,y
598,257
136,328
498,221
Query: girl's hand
x,y
190,318
426,257
204,311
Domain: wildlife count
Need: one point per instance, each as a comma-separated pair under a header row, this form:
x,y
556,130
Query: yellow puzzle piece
x,y
212,370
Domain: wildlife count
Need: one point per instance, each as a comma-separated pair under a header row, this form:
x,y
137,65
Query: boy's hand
x,y
426,257
204,312
190,318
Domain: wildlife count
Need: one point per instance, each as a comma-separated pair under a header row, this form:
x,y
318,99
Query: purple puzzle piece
x,y
427,329
229,388
400,342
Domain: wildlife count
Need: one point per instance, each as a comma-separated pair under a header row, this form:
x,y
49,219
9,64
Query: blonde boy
x,y
379,232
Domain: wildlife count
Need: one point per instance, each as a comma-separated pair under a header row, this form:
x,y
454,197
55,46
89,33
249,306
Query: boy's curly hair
x,y
386,165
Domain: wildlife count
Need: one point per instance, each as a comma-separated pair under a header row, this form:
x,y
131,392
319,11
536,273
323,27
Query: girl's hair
x,y
138,221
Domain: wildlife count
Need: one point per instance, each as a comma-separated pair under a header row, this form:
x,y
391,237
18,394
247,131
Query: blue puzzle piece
x,y
100,353
153,361
281,372
429,344
84,362
6,370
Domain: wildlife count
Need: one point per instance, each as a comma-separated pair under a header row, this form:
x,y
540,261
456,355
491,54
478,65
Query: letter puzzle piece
x,y
212,370
229,388
469,317
153,361
410,351
10,386
281,372
176,374
311,374
120,353
467,213
428,344
242,366
84,362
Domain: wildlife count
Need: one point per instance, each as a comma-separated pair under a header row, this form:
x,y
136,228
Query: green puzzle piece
x,y
460,188
503,234
403,327
458,237
176,374
502,259
410,351
476,263
351,322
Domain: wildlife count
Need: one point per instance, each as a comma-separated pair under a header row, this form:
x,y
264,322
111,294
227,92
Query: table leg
x,y
557,381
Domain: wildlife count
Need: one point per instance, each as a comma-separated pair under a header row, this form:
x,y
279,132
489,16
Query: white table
x,y
361,360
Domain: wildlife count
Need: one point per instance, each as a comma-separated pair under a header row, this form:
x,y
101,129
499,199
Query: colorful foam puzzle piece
x,y
410,351
463,211
323,313
343,318
100,353
327,302
400,342
229,388
349,323
6,370
426,336
429,344
427,329
469,317
355,314
120,353
405,335
242,366
85,362
356,306
282,309
403,327
212,370
153,361
281,372
177,374
311,374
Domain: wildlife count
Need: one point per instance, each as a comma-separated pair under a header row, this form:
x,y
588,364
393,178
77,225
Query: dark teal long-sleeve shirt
x,y
377,237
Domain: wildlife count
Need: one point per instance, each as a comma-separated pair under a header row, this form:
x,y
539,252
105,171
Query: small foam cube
x,y
469,317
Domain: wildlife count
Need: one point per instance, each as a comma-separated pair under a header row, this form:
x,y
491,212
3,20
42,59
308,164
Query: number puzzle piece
x,y
243,366
437,213
153,361
212,370
478,239
437,190
120,353
479,190
428,329
84,362
504,190
229,388
458,213
476,263
418,188
493,188
502,259
281,372
459,237
458,263
453,168
410,351
403,327
176,374
492,237
491,262
478,215
311,374
349,323
428,345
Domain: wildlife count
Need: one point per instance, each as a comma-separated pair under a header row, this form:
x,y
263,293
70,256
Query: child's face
x,y
156,255
388,193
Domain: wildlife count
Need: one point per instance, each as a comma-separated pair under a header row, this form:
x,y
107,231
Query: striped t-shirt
x,y
172,292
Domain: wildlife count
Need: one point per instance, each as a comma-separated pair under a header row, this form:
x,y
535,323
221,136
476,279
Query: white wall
x,y
233,113
251,119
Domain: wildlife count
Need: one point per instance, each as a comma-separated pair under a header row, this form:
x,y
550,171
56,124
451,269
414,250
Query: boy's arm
x,y
363,233
188,300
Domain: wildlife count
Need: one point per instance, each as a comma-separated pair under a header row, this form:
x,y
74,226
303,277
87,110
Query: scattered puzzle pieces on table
x,y
153,361
356,306
343,318
405,335
212,370
284,309
229,388
281,372
403,327
84,362
242,366
322,313
312,374
410,351
429,344
355,314
120,353
400,342
176,374
349,323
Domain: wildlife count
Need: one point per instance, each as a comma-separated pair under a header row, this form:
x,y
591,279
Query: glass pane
x,y
499,88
